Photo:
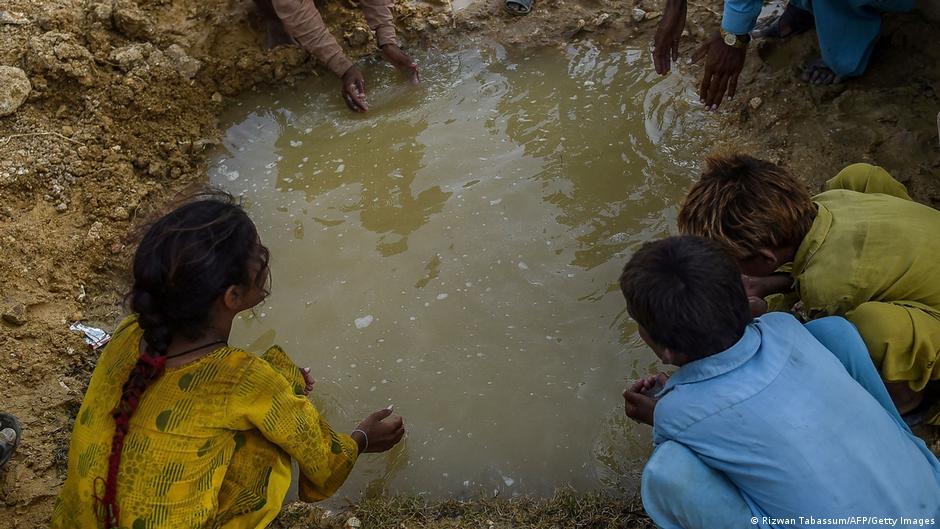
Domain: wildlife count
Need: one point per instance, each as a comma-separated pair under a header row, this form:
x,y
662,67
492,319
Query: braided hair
x,y
185,261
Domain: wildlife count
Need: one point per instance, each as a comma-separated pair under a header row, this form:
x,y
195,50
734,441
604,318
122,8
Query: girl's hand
x,y
308,380
383,430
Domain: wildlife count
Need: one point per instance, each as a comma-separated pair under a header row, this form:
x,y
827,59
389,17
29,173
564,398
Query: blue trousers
x,y
680,491
848,29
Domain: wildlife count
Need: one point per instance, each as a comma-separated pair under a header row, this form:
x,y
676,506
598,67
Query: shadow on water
x,y
455,251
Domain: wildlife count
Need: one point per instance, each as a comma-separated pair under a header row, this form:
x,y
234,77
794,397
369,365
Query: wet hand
x,y
668,33
638,406
383,430
649,385
354,90
308,380
401,61
723,65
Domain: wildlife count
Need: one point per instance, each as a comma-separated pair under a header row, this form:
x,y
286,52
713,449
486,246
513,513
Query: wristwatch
x,y
735,41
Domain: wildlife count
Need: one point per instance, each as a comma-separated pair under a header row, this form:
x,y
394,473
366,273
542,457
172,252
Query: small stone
x,y
62,207
652,15
756,102
12,19
15,314
67,130
128,57
601,19
185,65
352,523
119,213
638,14
216,97
358,36
14,87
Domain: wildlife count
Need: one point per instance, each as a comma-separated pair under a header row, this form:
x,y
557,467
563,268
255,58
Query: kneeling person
x,y
761,419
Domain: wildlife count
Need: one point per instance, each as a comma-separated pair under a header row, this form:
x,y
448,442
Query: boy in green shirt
x,y
861,249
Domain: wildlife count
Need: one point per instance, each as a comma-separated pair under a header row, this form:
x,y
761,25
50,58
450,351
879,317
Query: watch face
x,y
730,39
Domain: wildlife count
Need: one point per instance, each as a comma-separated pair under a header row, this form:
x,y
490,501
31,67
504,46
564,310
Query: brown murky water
x,y
455,252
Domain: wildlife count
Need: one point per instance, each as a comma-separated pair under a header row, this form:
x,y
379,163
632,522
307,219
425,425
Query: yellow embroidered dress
x,y
209,445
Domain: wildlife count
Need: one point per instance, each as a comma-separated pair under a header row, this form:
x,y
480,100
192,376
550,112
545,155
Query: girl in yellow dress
x,y
177,428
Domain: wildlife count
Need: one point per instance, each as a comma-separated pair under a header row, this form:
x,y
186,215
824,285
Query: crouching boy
x,y
862,249
765,418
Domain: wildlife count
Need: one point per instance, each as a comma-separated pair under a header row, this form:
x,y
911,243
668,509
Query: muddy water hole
x,y
455,252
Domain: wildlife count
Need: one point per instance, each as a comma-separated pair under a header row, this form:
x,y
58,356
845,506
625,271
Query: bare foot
x,y
818,73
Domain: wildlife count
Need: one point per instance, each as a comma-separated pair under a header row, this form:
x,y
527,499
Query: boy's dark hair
x,y
185,261
686,292
747,204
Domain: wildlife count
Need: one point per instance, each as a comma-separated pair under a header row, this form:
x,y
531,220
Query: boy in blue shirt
x,y
767,422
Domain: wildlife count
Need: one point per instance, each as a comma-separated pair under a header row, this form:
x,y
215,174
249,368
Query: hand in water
x,y
354,90
668,33
638,402
402,62
384,430
723,65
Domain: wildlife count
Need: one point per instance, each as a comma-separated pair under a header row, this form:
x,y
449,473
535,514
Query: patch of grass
x,y
566,509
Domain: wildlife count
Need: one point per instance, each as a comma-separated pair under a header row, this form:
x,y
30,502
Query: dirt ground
x,y
124,103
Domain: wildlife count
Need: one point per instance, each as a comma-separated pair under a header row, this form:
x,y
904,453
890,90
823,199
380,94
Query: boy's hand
x,y
308,380
638,402
758,306
383,429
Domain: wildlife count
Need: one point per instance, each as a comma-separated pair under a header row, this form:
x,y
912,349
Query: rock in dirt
x,y
14,87
353,523
58,54
12,19
130,20
180,61
756,102
15,314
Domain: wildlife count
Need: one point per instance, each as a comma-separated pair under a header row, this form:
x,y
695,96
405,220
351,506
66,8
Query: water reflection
x,y
455,251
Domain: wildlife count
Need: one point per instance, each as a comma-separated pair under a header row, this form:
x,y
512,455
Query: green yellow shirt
x,y
209,445
869,242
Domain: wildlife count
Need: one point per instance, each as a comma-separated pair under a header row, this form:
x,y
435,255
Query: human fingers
x,y
675,49
308,378
733,85
415,74
720,89
659,62
356,99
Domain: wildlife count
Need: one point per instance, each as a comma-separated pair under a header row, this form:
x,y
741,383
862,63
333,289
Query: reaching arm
x,y
304,23
378,15
867,178
266,401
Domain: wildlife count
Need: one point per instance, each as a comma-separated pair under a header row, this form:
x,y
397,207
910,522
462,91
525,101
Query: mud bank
x,y
123,103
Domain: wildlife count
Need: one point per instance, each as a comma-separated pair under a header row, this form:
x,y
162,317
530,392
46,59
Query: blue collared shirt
x,y
781,417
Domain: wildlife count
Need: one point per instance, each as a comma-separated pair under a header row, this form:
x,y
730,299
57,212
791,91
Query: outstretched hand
x,y
402,62
723,65
354,90
668,33
383,431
